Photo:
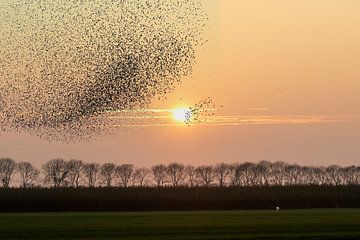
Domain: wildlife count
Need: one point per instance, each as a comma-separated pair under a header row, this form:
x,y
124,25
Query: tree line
x,y
58,173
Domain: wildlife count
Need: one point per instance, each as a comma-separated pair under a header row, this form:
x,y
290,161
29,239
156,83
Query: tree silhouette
x,y
7,168
107,173
28,174
124,173
55,172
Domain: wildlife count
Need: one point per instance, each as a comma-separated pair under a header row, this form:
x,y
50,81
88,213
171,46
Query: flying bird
x,y
65,64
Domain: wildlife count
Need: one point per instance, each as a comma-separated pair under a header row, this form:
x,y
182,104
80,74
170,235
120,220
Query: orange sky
x,y
277,58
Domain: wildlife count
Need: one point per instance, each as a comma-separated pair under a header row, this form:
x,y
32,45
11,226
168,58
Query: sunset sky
x,y
284,76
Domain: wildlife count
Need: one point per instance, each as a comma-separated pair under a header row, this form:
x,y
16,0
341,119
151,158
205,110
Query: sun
x,y
182,114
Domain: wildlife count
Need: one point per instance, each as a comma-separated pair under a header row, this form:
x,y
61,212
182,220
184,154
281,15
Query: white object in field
x,y
277,209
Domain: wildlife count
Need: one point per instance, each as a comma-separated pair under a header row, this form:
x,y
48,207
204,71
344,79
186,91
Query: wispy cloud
x,y
274,119
164,118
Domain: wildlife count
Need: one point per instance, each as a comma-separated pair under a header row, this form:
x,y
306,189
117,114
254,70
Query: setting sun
x,y
181,114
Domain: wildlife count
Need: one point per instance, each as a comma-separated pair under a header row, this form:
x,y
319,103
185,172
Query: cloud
x,y
164,118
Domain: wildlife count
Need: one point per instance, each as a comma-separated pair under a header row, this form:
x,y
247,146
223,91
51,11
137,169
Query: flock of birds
x,y
65,64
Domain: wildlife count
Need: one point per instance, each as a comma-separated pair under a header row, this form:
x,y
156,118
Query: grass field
x,y
287,224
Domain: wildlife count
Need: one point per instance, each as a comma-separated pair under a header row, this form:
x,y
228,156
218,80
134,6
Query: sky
x,y
283,75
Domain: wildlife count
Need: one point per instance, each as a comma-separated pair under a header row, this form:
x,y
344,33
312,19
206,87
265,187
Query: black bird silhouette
x,y
65,64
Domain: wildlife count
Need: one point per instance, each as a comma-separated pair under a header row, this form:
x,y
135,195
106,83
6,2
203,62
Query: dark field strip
x,y
222,225
178,199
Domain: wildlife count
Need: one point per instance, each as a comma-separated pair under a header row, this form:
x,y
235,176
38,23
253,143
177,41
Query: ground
x,y
222,225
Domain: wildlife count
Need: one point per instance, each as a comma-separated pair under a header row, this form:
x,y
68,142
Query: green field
x,y
287,224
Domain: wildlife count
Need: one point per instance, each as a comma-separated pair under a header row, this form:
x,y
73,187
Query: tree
x,y
75,167
191,175
321,175
60,173
91,173
140,176
349,175
176,173
278,172
7,168
234,174
221,172
159,174
247,173
28,174
107,173
333,175
125,173
264,170
55,172
205,174
294,173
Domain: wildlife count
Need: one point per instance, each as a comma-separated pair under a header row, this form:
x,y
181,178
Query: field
x,y
222,225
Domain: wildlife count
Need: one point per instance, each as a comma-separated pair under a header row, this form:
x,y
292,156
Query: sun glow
x,y
182,114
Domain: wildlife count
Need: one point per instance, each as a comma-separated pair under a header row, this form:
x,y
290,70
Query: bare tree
x,y
246,173
357,177
349,174
293,173
277,172
55,172
7,168
234,174
176,173
107,173
333,174
91,173
221,172
28,174
191,175
321,175
159,174
125,173
205,174
264,170
75,167
140,176
59,173
257,175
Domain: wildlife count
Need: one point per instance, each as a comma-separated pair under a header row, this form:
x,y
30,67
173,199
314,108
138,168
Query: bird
x,y
65,65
